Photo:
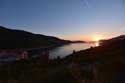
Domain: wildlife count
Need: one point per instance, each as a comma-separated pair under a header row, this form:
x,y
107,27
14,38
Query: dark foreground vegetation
x,y
103,64
108,60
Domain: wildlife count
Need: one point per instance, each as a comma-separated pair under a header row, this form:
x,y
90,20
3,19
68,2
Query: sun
x,y
97,38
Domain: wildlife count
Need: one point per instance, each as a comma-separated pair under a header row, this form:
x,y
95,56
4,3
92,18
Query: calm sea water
x,y
65,50
61,51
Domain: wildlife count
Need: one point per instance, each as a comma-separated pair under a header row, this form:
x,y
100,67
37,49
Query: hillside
x,y
113,41
10,38
108,60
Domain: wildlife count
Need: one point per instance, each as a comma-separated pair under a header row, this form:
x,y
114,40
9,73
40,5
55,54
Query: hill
x,y
10,38
108,60
113,41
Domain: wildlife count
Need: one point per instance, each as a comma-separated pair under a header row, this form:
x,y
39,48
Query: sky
x,y
66,19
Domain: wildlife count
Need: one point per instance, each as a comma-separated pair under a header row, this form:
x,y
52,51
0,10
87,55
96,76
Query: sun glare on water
x,y
96,39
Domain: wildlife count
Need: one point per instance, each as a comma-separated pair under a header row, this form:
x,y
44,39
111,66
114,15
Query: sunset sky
x,y
67,19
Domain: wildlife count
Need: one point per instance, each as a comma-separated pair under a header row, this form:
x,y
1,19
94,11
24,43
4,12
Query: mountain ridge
x,y
12,38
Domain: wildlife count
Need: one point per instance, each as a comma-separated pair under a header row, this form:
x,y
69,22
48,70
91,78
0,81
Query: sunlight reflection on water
x,y
97,44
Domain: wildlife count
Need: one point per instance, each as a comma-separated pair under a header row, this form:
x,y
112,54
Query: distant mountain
x,y
10,38
78,41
